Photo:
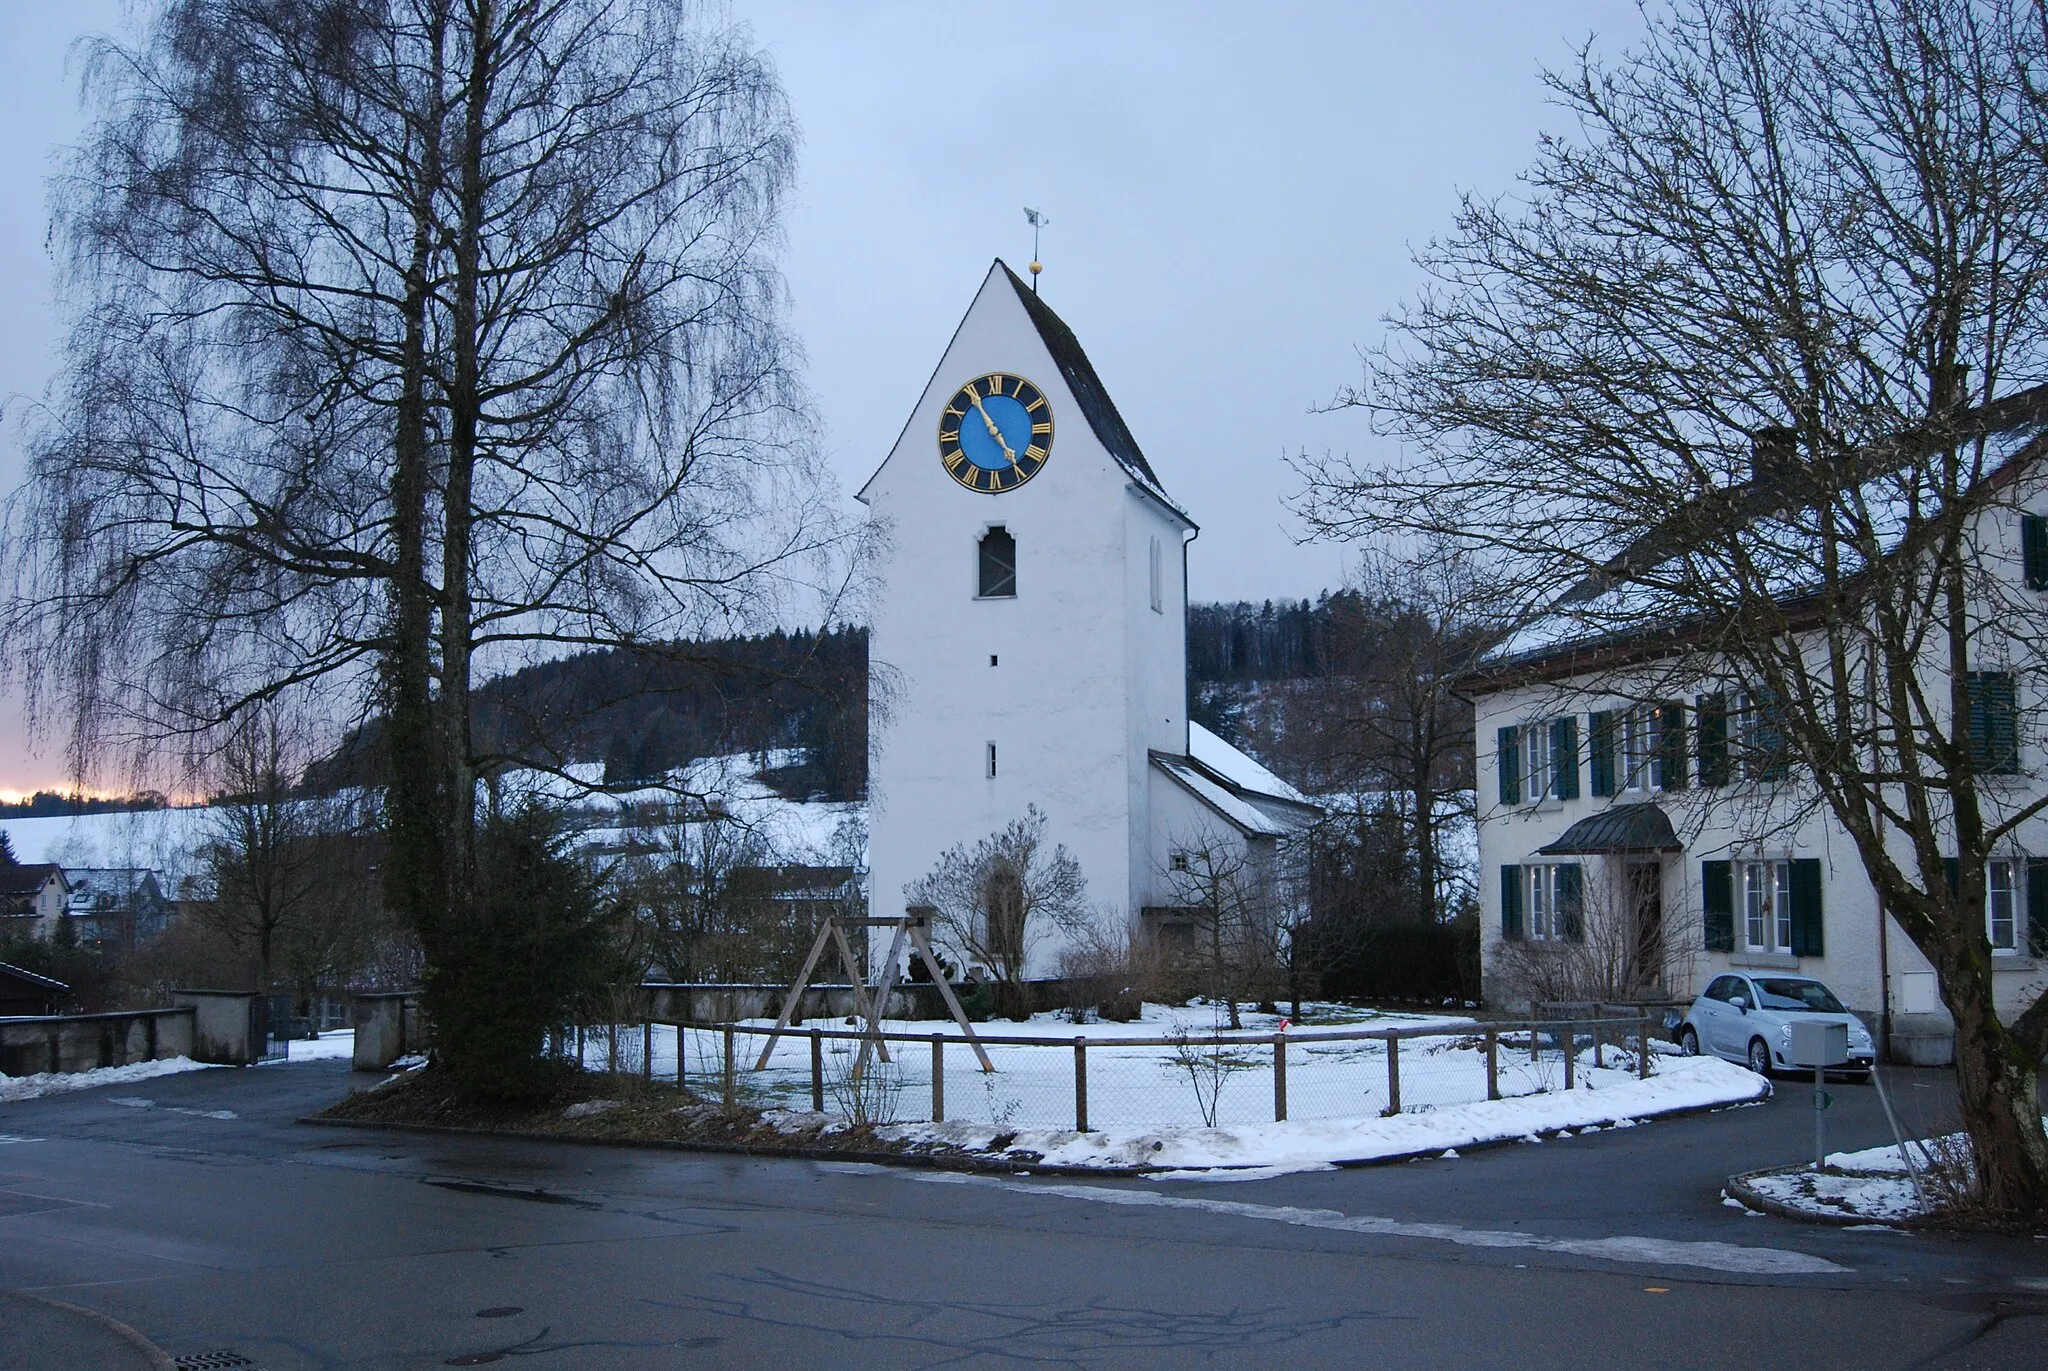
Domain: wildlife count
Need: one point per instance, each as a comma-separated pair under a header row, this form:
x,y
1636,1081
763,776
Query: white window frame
x,y
1639,743
1542,920
1766,895
2010,893
1538,766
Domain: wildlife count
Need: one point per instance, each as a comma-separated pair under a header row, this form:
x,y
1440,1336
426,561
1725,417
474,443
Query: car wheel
x,y
1759,1057
1689,1042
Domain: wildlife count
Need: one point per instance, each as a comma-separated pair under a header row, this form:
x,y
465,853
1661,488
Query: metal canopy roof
x,y
1623,828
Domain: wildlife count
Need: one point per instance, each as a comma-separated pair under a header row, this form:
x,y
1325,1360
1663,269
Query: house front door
x,y
1645,888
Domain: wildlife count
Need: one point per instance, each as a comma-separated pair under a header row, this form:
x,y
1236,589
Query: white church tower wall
x,y
1059,695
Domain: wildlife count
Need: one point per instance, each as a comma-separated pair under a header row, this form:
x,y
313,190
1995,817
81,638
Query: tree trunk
x,y
2000,1096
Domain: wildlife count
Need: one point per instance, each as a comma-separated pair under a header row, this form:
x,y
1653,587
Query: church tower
x,y
1029,627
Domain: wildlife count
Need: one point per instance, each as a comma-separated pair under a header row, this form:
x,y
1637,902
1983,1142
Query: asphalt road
x,y
190,1213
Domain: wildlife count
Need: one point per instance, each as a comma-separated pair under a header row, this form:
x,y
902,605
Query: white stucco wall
x,y
1087,676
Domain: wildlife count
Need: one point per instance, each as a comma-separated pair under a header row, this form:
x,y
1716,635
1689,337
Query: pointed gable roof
x,y
1089,392
1090,395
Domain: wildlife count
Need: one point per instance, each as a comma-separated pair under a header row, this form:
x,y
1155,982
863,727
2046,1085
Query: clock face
x,y
996,433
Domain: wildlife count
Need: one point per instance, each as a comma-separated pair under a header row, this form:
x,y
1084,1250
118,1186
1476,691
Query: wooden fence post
x,y
1571,1053
1535,1044
1279,1078
682,1053
1643,1045
817,1072
647,1048
1393,1076
731,1072
1597,1059
1080,1085
938,1078
1492,1063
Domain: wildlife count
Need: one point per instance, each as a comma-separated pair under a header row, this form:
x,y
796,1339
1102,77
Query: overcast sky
x,y
1232,191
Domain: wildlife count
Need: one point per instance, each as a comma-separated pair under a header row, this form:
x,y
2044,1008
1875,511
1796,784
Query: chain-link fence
x,y
1123,1080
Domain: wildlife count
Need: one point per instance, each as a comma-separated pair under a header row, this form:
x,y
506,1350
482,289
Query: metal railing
x,y
1180,1079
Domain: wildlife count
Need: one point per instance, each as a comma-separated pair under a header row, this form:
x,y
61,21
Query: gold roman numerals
x,y
995,433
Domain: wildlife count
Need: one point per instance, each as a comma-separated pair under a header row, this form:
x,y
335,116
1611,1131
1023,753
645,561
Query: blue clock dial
x,y
995,433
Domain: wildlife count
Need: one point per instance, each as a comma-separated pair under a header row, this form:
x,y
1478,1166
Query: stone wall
x,y
84,1042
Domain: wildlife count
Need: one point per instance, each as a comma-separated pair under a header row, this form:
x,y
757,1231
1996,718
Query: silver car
x,y
1747,1018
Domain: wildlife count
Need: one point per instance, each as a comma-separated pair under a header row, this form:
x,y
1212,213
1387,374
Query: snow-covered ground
x,y
339,1043
1206,1106
62,1082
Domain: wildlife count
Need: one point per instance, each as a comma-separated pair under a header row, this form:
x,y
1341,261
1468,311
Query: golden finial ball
x,y
1037,267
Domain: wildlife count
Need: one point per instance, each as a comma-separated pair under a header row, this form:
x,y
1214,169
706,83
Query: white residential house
x,y
1029,634
1639,833
33,898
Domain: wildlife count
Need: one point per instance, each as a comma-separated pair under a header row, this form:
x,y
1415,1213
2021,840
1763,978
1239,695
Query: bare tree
x,y
411,338
1744,363
996,900
286,876
1241,935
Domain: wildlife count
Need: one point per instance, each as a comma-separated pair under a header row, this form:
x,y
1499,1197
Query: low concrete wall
x,y
223,1027
83,1042
1923,1040
388,1026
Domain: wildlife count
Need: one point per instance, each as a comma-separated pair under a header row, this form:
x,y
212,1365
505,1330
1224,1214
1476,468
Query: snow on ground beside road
x,y
1875,1184
1606,1099
62,1082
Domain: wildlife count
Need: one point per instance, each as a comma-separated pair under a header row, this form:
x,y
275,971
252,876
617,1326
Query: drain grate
x,y
211,1361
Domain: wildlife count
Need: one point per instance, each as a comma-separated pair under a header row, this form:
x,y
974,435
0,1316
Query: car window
x,y
1805,996
1738,986
1722,987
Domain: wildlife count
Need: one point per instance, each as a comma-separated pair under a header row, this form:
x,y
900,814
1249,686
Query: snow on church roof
x,y
1238,769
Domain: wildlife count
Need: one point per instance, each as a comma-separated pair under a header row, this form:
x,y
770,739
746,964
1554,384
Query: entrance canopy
x,y
1623,828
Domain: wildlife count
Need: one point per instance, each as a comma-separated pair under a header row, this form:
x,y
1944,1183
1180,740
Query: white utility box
x,y
1819,1044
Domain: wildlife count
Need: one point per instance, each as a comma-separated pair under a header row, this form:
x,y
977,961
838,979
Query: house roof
x,y
13,972
1622,828
1612,616
29,877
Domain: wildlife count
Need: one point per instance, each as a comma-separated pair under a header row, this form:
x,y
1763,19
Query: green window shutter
x,y
1511,902
1600,741
1952,872
2034,550
1717,900
2037,906
1994,722
1807,933
1571,901
1507,758
1564,757
1712,725
1671,749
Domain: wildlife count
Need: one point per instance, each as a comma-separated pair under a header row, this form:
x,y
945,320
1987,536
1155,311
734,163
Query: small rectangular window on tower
x,y
991,761
1158,578
998,578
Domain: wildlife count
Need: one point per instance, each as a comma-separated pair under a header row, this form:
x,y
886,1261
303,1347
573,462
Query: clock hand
x,y
993,431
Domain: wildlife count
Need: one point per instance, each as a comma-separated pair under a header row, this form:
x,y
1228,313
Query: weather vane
x,y
1038,221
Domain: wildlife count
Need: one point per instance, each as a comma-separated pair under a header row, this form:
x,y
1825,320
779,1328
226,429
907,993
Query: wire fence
x,y
1122,1080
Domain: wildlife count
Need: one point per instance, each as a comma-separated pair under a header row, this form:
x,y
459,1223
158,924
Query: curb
x,y
1739,1187
159,1359
970,1163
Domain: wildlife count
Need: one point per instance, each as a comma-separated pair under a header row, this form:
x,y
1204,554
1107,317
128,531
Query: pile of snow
x,y
62,1082
1274,1148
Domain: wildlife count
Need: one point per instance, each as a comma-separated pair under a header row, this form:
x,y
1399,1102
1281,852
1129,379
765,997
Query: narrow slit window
x,y
998,564
991,761
1158,578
